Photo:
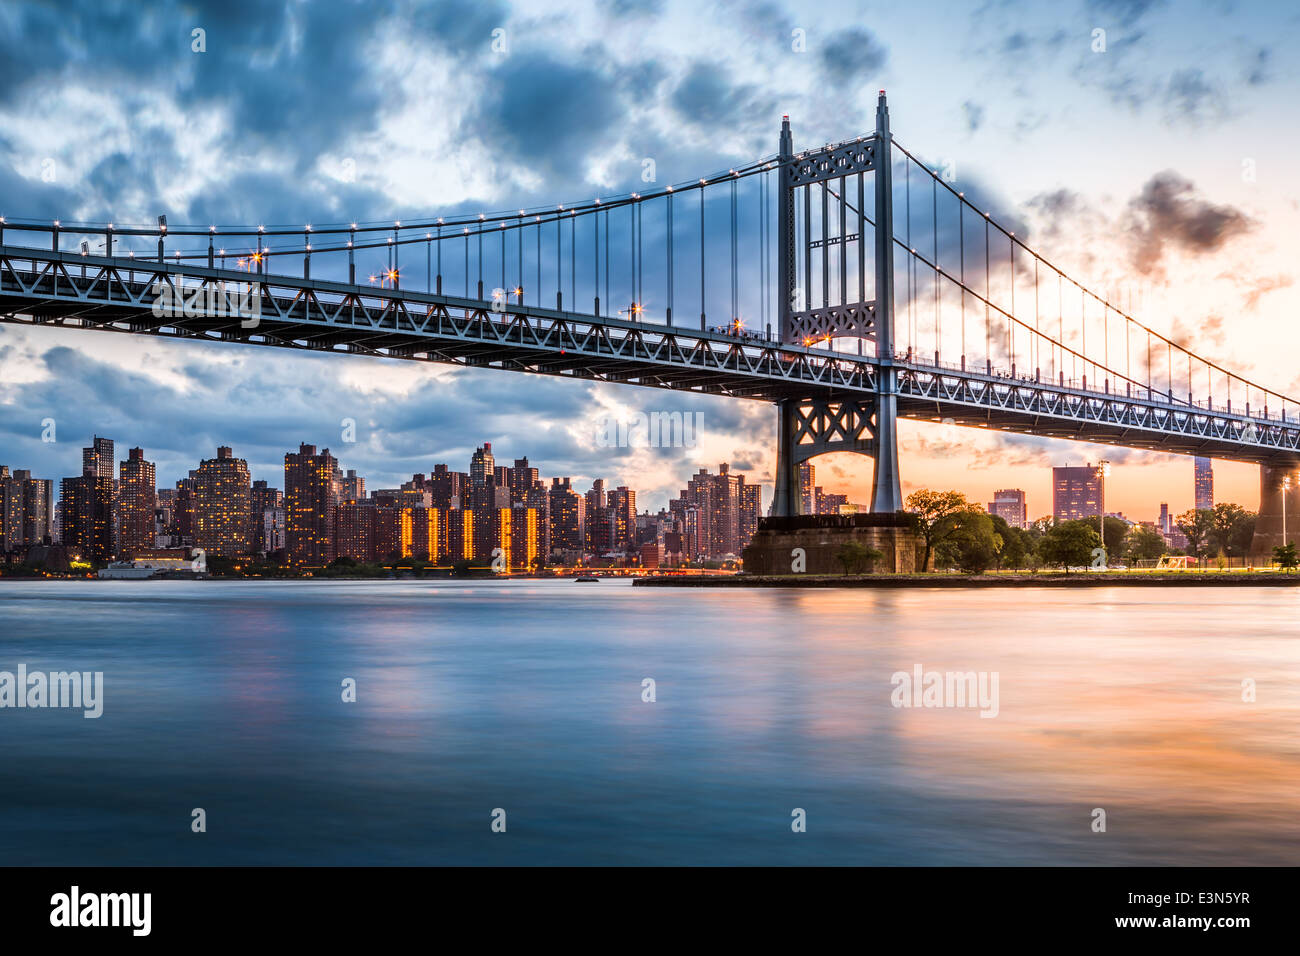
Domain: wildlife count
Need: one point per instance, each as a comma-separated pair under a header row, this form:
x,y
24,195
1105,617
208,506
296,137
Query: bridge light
x,y
212,228
354,225
2,219
670,189
56,222
397,224
261,229
307,228
439,222
221,252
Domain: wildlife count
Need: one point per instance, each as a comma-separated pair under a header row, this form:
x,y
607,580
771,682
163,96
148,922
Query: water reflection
x,y
527,695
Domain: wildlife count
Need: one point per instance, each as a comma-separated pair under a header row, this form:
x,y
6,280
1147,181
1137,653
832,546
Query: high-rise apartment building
x,y
445,487
268,536
1009,505
26,510
352,487
1076,492
88,505
751,510
1203,483
807,486
726,512
598,532
622,509
137,502
520,479
223,512
568,516
87,509
98,458
482,465
309,499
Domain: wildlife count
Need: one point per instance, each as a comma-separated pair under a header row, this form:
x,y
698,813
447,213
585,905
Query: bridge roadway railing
x,y
119,294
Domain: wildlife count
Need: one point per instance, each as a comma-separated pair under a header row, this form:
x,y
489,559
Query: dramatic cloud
x,y
1169,213
853,53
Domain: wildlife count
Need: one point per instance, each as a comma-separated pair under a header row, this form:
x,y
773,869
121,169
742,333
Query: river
x,y
523,702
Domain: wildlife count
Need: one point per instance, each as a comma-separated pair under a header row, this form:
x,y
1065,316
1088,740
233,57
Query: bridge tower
x,y
808,427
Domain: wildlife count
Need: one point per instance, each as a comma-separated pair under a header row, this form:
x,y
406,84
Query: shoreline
x,y
1079,580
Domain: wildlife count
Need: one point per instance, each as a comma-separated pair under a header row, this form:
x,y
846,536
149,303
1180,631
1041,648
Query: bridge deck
x,y
117,294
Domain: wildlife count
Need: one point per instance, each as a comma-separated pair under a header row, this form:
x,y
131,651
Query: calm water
x,y
526,696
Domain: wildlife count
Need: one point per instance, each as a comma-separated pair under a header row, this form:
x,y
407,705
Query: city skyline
x,y
1180,236
323,513
1201,486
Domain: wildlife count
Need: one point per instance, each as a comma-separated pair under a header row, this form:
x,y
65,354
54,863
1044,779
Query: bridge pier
x,y
1268,525
786,500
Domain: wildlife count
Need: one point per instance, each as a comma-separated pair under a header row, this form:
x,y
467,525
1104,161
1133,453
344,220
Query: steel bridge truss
x,y
835,393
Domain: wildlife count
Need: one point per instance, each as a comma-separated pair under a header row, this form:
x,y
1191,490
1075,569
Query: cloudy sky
x,y
1160,169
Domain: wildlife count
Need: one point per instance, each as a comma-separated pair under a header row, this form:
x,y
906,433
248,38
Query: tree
x,y
935,517
1195,526
857,557
1285,557
1143,544
1231,529
1017,544
1069,543
974,546
1117,530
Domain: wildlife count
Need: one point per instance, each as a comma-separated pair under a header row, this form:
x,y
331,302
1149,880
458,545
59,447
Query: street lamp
x,y
1103,470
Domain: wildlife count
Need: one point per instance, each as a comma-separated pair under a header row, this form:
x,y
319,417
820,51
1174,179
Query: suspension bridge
x,y
848,284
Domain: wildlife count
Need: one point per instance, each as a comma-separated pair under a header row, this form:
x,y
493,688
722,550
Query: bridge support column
x,y
1268,525
886,492
787,500
886,489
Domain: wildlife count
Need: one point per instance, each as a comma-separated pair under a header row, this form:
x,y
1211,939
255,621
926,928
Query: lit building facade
x,y
309,500
137,504
1076,492
1009,505
223,515
1203,483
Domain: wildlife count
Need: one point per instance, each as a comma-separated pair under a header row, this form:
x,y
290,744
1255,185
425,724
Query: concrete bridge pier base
x,y
1268,526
